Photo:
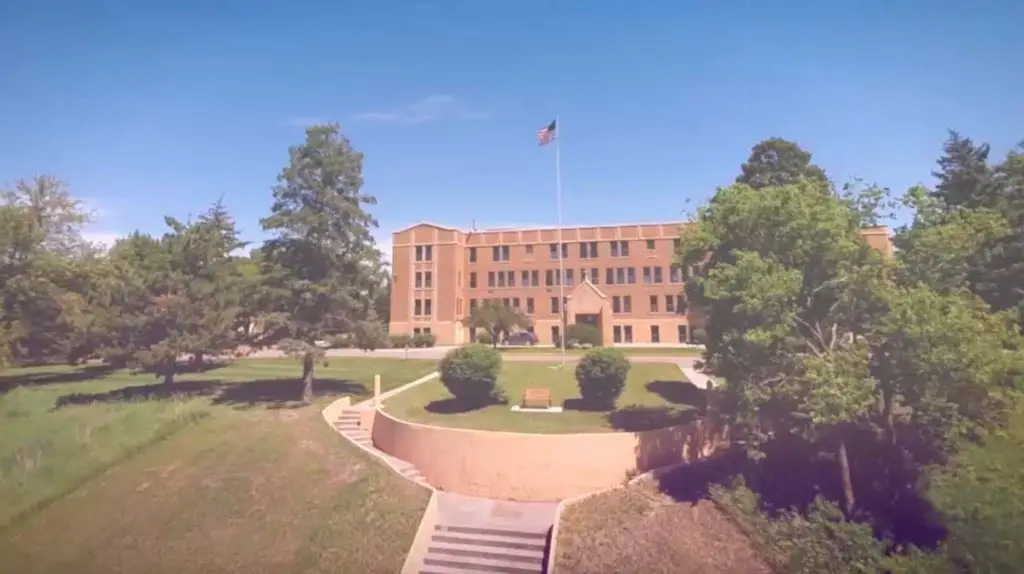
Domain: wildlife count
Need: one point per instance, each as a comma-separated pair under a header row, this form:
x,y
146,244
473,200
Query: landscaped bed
x,y
232,474
640,529
656,395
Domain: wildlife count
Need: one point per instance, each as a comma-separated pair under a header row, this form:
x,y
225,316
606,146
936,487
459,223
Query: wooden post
x,y
376,390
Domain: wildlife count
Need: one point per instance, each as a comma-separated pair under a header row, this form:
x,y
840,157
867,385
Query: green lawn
x,y
656,395
67,470
633,351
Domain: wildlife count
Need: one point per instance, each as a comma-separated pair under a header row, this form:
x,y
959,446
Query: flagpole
x,y
561,259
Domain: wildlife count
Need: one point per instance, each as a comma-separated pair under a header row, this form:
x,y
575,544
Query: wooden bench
x,y
537,398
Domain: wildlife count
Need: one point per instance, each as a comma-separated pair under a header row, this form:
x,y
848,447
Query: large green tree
x,y
497,319
776,161
321,264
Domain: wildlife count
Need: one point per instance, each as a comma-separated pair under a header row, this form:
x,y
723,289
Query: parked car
x,y
521,338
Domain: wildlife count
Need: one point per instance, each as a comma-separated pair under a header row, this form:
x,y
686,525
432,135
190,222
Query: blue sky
x,y
154,108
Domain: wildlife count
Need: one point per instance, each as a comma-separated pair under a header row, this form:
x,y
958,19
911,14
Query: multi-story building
x,y
620,278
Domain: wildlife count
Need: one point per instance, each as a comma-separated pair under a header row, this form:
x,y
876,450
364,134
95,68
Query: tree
x,y
776,161
787,289
44,265
321,263
497,320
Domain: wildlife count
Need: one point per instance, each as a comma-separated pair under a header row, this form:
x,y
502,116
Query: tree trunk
x,y
198,359
308,364
844,470
170,366
888,417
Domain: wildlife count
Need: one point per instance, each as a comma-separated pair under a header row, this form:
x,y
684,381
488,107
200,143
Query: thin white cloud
x,y
432,108
104,239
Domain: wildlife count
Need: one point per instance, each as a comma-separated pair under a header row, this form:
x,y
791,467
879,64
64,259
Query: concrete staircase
x,y
479,535
348,425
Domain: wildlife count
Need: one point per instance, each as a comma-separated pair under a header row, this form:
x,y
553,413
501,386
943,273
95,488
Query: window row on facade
x,y
621,305
654,275
620,333
585,249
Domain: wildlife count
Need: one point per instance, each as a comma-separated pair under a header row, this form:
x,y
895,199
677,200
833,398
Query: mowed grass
x,y
656,395
247,491
63,426
629,351
639,529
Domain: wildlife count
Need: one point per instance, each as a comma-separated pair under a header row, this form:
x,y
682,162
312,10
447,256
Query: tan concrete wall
x,y
539,467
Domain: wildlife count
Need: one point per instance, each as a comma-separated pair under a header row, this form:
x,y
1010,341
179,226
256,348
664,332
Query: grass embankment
x,y
628,351
247,480
656,395
639,529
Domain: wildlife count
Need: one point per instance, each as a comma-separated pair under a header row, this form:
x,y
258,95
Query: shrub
x,y
345,341
371,335
470,374
423,340
484,338
400,340
584,334
601,376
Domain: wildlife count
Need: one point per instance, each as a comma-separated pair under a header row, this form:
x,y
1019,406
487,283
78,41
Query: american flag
x,y
547,133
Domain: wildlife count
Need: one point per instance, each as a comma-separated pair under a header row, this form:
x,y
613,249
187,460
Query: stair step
x,y
519,534
462,549
490,542
472,565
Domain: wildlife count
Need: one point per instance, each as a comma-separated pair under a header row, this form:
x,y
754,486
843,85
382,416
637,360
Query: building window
x,y
529,251
500,253
555,338
554,305
472,279
631,275
627,304
683,331
650,245
515,303
529,305
506,302
617,334
419,280
490,279
568,278
427,311
424,253
675,274
609,276
674,304
620,248
526,278
511,280
416,331
417,307
627,333
535,278
501,278
428,279
472,334
595,277
658,278
616,304
676,244
549,278
620,276
588,250
647,276
472,254
680,304
655,334
654,303
472,305
554,250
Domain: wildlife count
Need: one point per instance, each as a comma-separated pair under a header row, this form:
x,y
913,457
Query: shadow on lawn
x,y
86,373
679,393
270,393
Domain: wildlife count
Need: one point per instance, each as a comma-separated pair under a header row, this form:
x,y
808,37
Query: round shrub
x,y
584,334
601,376
400,340
484,338
470,374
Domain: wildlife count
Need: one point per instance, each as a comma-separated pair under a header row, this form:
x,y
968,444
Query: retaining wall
x,y
539,467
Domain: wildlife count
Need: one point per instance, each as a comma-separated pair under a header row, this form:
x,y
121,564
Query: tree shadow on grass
x,y
268,393
637,418
78,375
679,393
454,406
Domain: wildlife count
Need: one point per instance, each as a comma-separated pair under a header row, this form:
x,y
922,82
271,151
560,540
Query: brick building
x,y
620,278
